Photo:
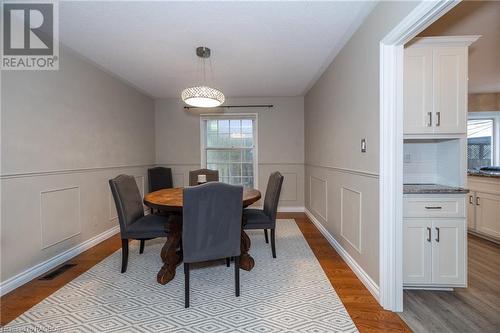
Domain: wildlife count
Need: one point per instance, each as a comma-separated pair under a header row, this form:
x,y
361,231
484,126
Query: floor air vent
x,y
56,272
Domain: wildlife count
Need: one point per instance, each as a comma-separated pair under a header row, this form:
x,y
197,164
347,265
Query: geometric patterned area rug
x,y
288,294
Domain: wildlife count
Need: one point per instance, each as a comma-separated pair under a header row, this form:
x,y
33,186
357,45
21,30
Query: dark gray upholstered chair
x,y
133,223
212,176
266,218
211,226
159,178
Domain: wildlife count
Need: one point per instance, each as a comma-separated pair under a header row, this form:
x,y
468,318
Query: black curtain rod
x,y
232,106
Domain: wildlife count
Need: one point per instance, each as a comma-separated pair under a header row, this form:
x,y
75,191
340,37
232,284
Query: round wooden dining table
x,y
169,201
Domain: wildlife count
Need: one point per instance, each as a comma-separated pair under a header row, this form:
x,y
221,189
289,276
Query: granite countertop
x,y
432,189
479,173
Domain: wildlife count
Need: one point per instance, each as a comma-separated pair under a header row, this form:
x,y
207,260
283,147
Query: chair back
x,y
128,200
212,176
159,178
211,222
272,197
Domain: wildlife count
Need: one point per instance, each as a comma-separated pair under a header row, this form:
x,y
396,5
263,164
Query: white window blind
x,y
229,146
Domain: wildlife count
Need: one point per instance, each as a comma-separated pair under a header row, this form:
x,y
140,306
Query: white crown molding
x,y
367,281
43,267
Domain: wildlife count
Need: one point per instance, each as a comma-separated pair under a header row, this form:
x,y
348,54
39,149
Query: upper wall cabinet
x,y
435,85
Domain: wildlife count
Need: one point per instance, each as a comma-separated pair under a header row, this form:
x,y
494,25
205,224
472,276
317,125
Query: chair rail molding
x,y
69,171
391,146
345,170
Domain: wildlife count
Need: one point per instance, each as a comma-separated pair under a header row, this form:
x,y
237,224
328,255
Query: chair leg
x,y
124,255
237,275
228,262
273,242
141,249
265,235
186,285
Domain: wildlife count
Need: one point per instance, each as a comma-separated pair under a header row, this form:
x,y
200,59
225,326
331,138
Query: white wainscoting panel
x,y
345,203
289,188
319,197
178,180
49,214
350,217
59,215
140,184
113,214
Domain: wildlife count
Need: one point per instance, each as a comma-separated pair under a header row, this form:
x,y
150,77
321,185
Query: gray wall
x,y
64,134
280,135
340,109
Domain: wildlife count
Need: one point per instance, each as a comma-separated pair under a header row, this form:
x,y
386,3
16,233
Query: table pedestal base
x,y
171,257
246,260
169,254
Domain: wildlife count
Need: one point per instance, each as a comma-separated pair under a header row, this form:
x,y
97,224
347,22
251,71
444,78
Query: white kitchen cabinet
x,y
418,91
434,244
471,211
448,251
435,85
417,266
450,89
488,214
484,207
434,252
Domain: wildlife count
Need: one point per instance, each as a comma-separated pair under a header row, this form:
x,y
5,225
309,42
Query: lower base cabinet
x,y
484,207
434,252
434,244
487,219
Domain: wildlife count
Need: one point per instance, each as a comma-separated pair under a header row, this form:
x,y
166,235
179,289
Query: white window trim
x,y
495,115
212,116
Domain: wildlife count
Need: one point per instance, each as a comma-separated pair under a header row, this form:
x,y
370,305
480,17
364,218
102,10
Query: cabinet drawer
x,y
425,206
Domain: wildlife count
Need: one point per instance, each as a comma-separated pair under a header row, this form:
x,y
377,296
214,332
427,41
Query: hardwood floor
x,y
472,309
366,313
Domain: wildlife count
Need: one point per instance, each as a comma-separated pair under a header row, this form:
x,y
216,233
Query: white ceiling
x,y
258,48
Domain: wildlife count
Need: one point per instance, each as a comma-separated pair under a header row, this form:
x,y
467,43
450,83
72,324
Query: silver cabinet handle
x,y
470,200
429,124
428,234
433,207
437,238
438,114
477,201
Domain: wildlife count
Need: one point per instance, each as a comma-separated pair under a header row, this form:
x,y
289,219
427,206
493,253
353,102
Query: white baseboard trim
x,y
43,267
291,209
286,209
360,273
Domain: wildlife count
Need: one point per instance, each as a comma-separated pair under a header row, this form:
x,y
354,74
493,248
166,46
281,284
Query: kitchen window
x,y
482,139
229,145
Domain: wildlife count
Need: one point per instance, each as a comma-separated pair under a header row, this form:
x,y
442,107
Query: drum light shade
x,y
202,97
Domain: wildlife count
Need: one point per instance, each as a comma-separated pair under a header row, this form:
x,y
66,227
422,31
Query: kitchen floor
x,y
472,309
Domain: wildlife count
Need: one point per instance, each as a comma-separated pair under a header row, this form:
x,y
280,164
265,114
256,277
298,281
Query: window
x,y
482,139
229,145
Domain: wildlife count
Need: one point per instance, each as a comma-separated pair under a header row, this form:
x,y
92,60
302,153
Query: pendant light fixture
x,y
203,96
